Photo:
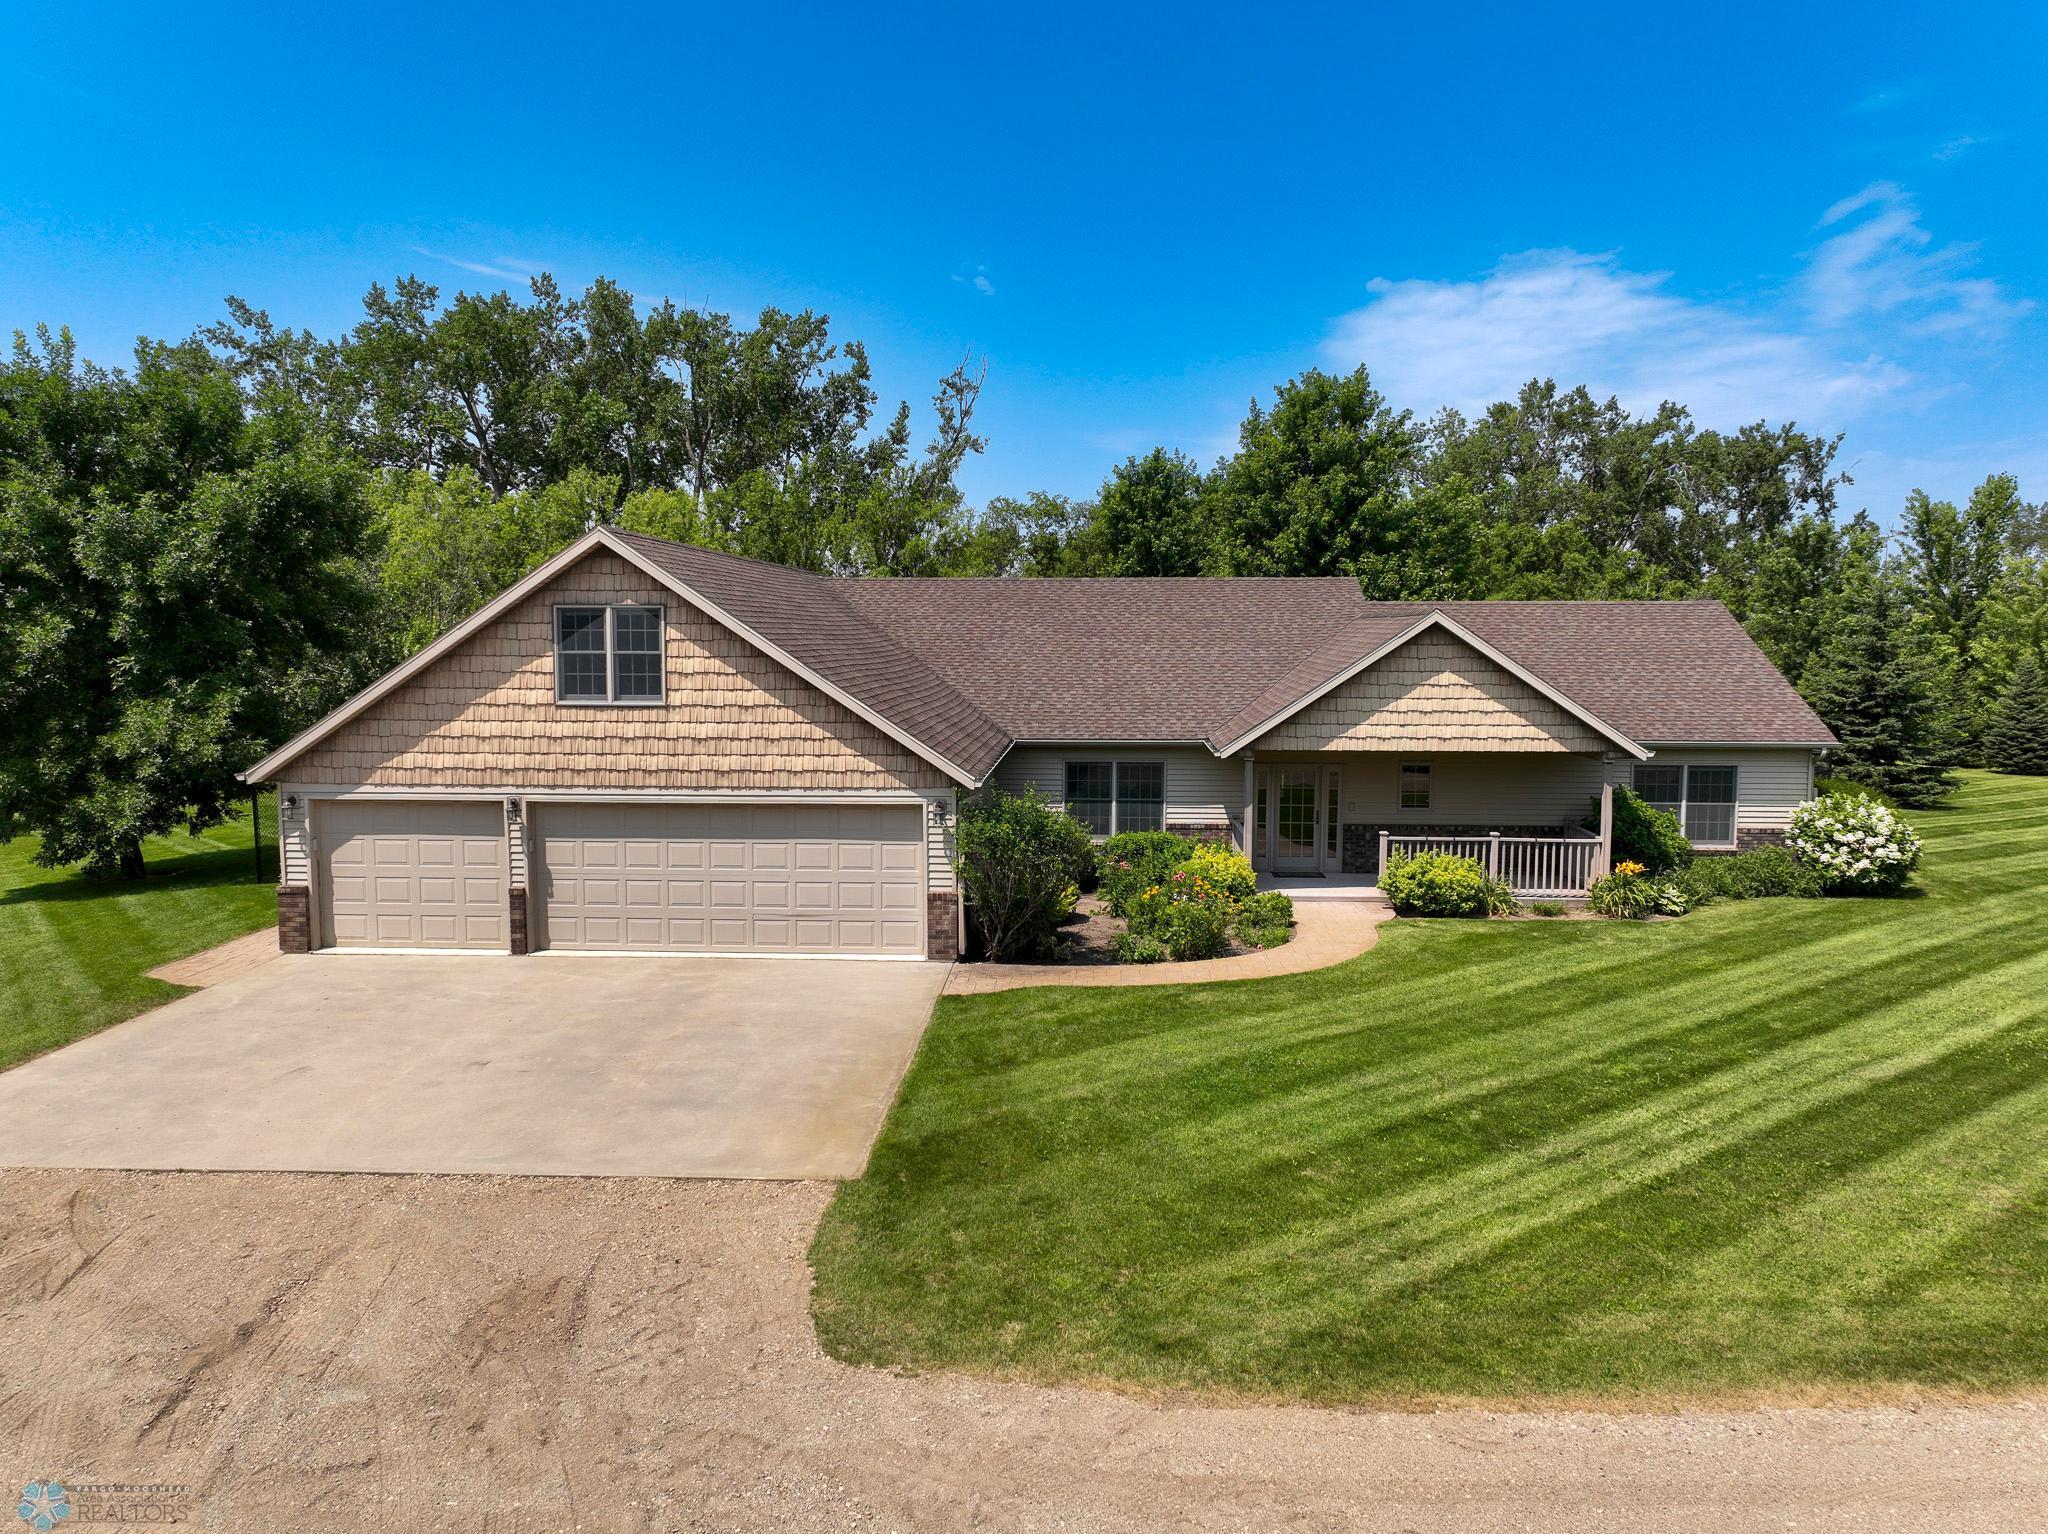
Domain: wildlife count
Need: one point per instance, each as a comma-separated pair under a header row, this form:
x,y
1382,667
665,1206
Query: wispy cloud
x,y
978,279
499,266
1887,96
1949,148
1881,262
1824,351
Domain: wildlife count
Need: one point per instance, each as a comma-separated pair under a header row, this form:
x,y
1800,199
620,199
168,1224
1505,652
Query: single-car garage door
x,y
411,873
730,878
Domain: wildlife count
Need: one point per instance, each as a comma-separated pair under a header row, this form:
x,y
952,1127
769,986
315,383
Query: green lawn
x,y
73,950
1785,1149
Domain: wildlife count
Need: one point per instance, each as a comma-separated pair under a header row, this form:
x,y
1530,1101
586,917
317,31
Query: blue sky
x,y
1139,217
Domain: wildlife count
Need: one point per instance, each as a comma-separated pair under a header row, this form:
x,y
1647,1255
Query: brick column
x,y
294,918
519,938
942,925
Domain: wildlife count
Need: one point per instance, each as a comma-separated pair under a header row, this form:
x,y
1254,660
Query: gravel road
x,y
312,1353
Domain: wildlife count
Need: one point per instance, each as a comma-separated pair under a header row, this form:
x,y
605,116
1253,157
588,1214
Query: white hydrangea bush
x,y
1856,844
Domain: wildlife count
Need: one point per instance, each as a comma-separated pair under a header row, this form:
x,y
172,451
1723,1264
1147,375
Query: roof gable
x,y
1433,691
807,628
1338,662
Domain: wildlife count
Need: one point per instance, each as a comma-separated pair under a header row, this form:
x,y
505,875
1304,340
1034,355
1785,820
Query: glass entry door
x,y
1297,830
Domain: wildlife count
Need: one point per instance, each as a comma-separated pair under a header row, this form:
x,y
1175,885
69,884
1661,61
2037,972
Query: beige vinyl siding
x,y
1435,693
1479,788
485,715
1769,782
1202,789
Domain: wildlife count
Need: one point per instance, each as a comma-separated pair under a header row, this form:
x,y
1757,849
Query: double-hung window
x,y
608,655
1415,785
1703,799
1111,797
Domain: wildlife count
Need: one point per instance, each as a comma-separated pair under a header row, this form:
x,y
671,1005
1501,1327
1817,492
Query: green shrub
x,y
1136,860
1184,911
1633,893
1016,858
1546,908
1264,921
1137,947
1826,788
1757,875
1647,836
1191,929
1443,884
1229,871
1855,845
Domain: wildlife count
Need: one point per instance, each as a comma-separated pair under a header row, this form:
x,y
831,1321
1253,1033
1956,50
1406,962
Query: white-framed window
x,y
1702,797
1111,797
609,655
1415,785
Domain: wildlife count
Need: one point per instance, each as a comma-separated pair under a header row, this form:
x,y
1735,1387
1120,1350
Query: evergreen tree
x,y
2016,740
1876,686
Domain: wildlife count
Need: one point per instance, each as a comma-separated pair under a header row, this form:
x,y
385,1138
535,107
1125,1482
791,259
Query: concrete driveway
x,y
408,1063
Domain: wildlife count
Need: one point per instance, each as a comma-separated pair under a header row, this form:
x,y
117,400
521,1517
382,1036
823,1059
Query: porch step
x,y
1348,887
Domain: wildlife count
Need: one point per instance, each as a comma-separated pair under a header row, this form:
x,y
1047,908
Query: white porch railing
x,y
1534,867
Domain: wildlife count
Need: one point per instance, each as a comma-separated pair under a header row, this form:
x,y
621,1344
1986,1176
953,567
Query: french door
x,y
1297,820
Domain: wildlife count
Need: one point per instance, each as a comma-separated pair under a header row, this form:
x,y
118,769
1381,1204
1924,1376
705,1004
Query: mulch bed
x,y
1088,933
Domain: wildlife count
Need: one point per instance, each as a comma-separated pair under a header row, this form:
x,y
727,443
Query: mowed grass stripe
x,y
74,950
1514,1161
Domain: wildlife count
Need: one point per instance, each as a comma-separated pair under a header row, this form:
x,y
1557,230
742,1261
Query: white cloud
x,y
500,266
978,280
1882,262
1948,149
1585,318
1822,353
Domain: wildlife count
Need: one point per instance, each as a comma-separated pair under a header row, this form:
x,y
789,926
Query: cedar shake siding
x,y
1435,693
485,715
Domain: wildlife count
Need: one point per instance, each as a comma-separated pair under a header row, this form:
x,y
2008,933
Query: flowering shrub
x,y
1857,845
1634,894
1184,911
1135,860
1263,921
1443,884
1231,872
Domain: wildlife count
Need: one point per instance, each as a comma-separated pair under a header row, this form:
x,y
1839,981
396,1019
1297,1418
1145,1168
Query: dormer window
x,y
608,655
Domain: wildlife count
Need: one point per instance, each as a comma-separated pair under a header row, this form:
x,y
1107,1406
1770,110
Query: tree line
x,y
204,551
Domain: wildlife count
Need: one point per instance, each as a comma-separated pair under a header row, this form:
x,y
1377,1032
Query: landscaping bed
x,y
1040,891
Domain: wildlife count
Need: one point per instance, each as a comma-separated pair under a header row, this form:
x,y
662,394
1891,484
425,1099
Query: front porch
x,y
1321,825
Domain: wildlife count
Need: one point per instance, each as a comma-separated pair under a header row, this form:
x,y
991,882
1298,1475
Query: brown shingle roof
x,y
1199,659
809,618
966,666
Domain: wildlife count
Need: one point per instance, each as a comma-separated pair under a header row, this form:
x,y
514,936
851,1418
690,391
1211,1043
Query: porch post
x,y
1251,795
1381,871
1493,854
1603,860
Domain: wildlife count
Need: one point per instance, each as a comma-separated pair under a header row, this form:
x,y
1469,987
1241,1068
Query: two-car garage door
x,y
677,878
710,878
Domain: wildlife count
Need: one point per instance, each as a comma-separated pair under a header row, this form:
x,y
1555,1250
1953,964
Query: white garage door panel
x,y
411,874
734,878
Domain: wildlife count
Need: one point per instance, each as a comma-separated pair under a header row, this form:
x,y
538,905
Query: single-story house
x,y
648,747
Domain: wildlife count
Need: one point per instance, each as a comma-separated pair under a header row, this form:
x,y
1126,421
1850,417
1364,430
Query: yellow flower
x,y
1627,867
